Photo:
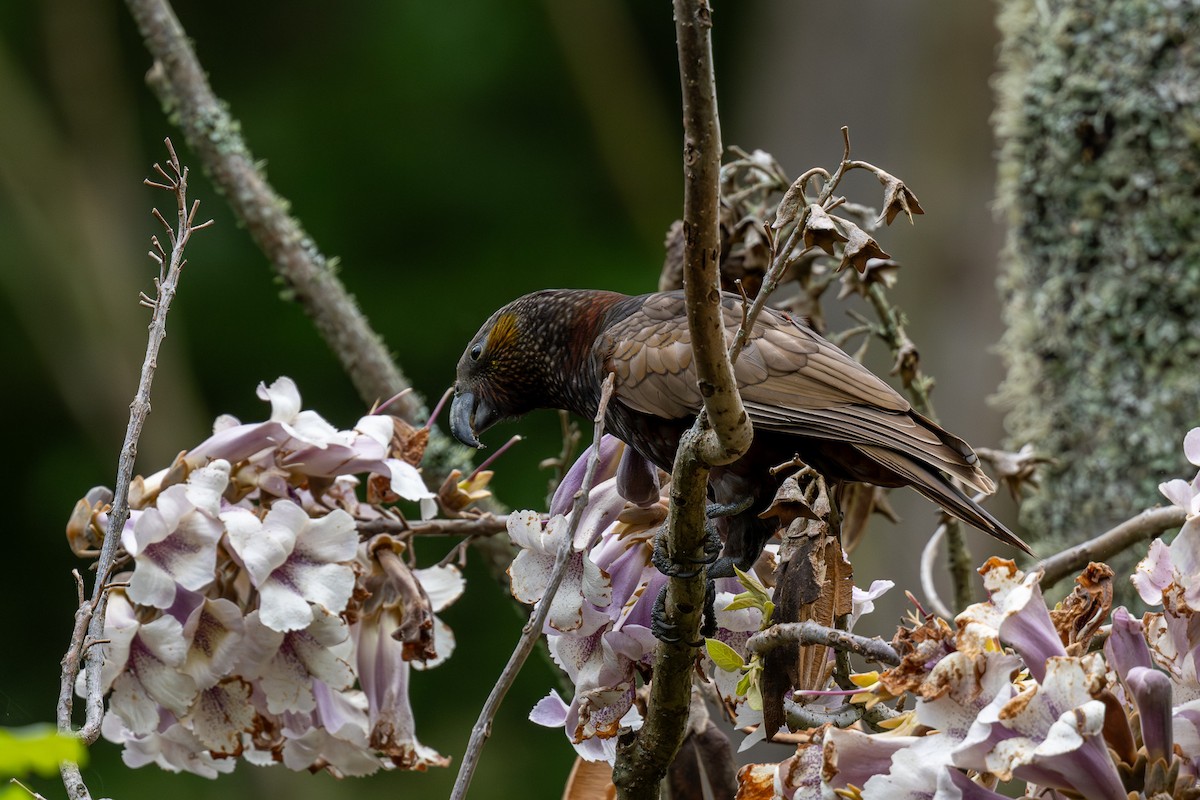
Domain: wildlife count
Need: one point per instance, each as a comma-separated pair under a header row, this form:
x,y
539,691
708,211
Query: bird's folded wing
x,y
784,367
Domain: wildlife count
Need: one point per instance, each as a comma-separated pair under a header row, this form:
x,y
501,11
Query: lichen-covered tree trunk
x,y
1099,122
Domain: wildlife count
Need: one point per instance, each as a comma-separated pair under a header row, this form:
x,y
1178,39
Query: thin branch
x,y
1150,523
872,649
182,86
892,331
487,525
89,619
800,717
533,629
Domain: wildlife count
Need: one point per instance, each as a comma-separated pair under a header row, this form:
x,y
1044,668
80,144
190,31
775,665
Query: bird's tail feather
x,y
937,488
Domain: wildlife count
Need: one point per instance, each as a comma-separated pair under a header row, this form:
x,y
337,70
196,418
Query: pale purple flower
x,y
965,685
1154,573
1185,731
294,561
955,785
384,676
601,663
799,776
221,716
1126,646
214,635
863,601
1179,562
1050,733
852,757
285,664
302,442
552,712
1172,637
611,449
1015,613
142,665
530,571
1151,692
174,543
333,736
169,745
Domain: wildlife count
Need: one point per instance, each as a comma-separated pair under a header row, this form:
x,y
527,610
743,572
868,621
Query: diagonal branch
x,y
1146,525
89,619
182,86
532,632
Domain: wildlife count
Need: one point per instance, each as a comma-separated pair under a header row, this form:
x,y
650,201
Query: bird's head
x,y
501,374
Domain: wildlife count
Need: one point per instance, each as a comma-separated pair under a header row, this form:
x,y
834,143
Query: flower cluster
x,y
251,621
1018,691
598,626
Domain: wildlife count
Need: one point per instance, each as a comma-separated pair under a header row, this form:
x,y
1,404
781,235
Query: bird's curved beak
x,y
470,416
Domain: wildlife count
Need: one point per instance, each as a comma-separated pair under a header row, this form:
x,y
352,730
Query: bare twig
x,y
1146,525
562,462
800,717
89,619
487,525
872,649
533,629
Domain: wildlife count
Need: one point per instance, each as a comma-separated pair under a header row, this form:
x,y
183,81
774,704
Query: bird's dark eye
x,y
476,351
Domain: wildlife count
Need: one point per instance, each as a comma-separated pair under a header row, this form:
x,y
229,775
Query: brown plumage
x,y
805,397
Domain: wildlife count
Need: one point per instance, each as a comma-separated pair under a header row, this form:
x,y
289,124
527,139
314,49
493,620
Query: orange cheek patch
x,y
503,333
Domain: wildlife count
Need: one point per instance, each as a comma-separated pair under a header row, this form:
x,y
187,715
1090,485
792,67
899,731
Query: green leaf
x,y
36,748
753,587
743,685
743,600
754,695
768,612
723,655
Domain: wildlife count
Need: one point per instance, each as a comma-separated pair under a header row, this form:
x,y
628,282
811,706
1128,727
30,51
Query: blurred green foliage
x,y
452,156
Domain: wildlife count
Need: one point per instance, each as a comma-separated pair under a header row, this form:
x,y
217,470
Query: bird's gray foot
x,y
715,510
666,631
685,566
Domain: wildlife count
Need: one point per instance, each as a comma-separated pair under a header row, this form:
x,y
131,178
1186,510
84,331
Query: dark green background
x,y
453,156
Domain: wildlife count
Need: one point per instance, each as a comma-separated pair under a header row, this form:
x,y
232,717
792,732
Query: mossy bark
x,y
1099,124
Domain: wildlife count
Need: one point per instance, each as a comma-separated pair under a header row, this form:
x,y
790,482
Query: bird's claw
x,y
685,566
664,630
715,510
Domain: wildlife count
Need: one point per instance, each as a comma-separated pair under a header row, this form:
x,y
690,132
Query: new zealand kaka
x,y
805,397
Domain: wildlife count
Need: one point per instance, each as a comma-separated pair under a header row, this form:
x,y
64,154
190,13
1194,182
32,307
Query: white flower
x,y
214,633
175,542
294,560
142,665
443,585
285,664
530,571
172,746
